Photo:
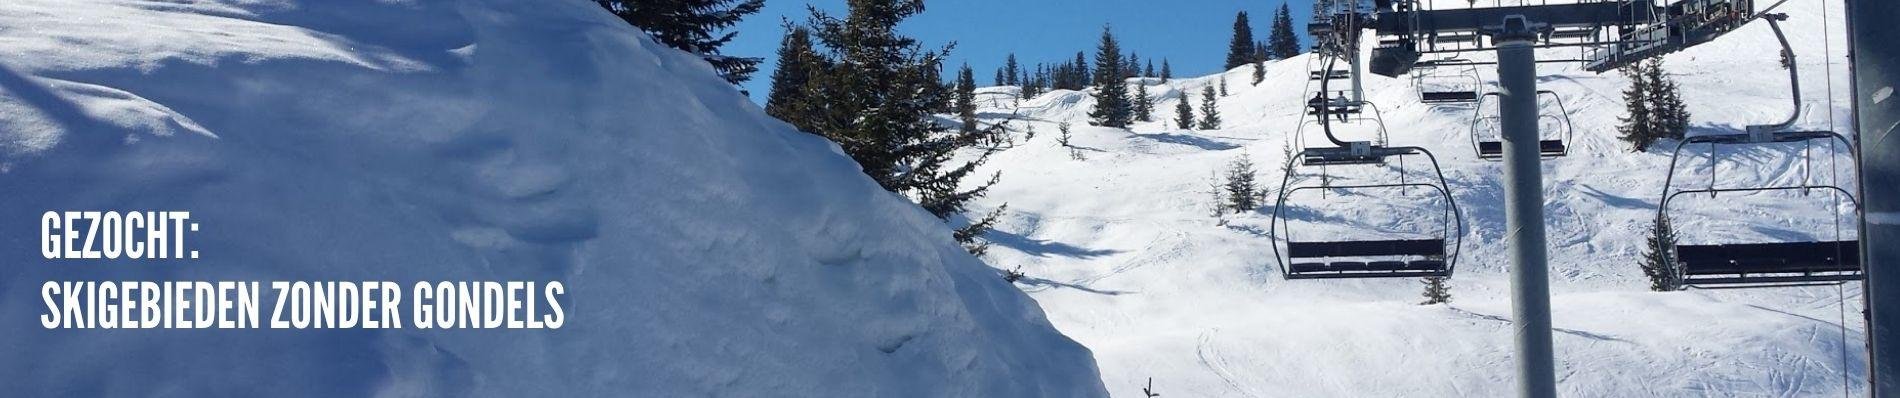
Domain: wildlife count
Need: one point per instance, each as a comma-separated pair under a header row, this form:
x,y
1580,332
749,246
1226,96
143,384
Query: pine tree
x,y
1150,70
880,89
1282,43
1144,108
1666,106
1011,71
1636,123
797,62
1436,292
1167,72
1259,72
694,26
966,98
1242,195
1111,90
1183,112
1210,112
1083,76
1223,85
1133,66
1240,50
1656,256
999,79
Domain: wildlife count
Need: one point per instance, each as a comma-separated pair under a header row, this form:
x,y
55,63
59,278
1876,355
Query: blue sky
x,y
1191,34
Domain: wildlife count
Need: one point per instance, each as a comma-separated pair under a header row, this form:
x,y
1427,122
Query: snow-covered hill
x,y
1122,251
708,250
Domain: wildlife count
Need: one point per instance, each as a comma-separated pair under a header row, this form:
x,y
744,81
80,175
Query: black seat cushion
x,y
1367,248
1385,265
1769,258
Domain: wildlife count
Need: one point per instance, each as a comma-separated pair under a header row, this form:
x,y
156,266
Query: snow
x,y
1123,253
708,250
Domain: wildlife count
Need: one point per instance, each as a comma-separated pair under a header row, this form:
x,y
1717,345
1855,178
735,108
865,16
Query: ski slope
x,y
1123,252
707,249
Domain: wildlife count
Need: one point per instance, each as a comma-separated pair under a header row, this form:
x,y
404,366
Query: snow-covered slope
x,y
708,250
1122,251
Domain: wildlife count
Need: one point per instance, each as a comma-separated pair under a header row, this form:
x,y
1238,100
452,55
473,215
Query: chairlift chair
x,y
1764,264
1554,129
1392,257
1434,87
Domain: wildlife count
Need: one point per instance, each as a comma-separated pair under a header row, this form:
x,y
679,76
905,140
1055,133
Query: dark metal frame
x,y
1452,217
1562,116
1742,280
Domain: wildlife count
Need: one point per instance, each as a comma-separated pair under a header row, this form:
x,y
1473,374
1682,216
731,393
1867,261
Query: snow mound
x,y
707,249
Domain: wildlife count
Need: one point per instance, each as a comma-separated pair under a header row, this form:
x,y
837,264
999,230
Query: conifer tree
x,y
797,62
1150,70
1636,122
1282,43
1011,71
1240,51
1132,65
1242,195
1112,108
1083,76
1436,291
1666,107
1167,72
694,26
999,79
1183,112
879,90
1210,112
1144,109
966,98
1223,85
1656,256
1259,72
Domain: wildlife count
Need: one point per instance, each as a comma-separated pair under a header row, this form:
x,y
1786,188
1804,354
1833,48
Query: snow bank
x,y
707,249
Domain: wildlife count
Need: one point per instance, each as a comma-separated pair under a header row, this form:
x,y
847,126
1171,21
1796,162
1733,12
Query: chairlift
x,y
1764,264
1438,87
1390,257
1554,129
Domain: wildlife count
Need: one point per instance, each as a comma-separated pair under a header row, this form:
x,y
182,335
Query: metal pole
x,y
1524,209
1876,66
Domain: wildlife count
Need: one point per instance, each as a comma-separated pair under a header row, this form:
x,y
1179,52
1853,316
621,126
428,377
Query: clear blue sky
x,y
1191,34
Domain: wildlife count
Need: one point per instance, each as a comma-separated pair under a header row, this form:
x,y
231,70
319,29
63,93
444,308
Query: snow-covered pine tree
x,y
1656,256
1144,109
1436,290
1183,111
694,26
1111,89
1011,71
1259,72
1063,139
1635,126
1282,42
1223,85
797,61
880,90
1240,50
966,98
1242,195
1210,110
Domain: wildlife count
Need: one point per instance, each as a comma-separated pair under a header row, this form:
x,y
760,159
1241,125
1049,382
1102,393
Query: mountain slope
x,y
708,250
1122,251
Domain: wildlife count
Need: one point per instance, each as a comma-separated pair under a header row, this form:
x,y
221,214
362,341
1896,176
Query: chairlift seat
x,y
1425,248
1782,262
1435,97
1495,149
1329,74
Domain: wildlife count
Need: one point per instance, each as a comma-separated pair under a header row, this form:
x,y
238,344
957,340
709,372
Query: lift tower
x,y
1609,34
1876,64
